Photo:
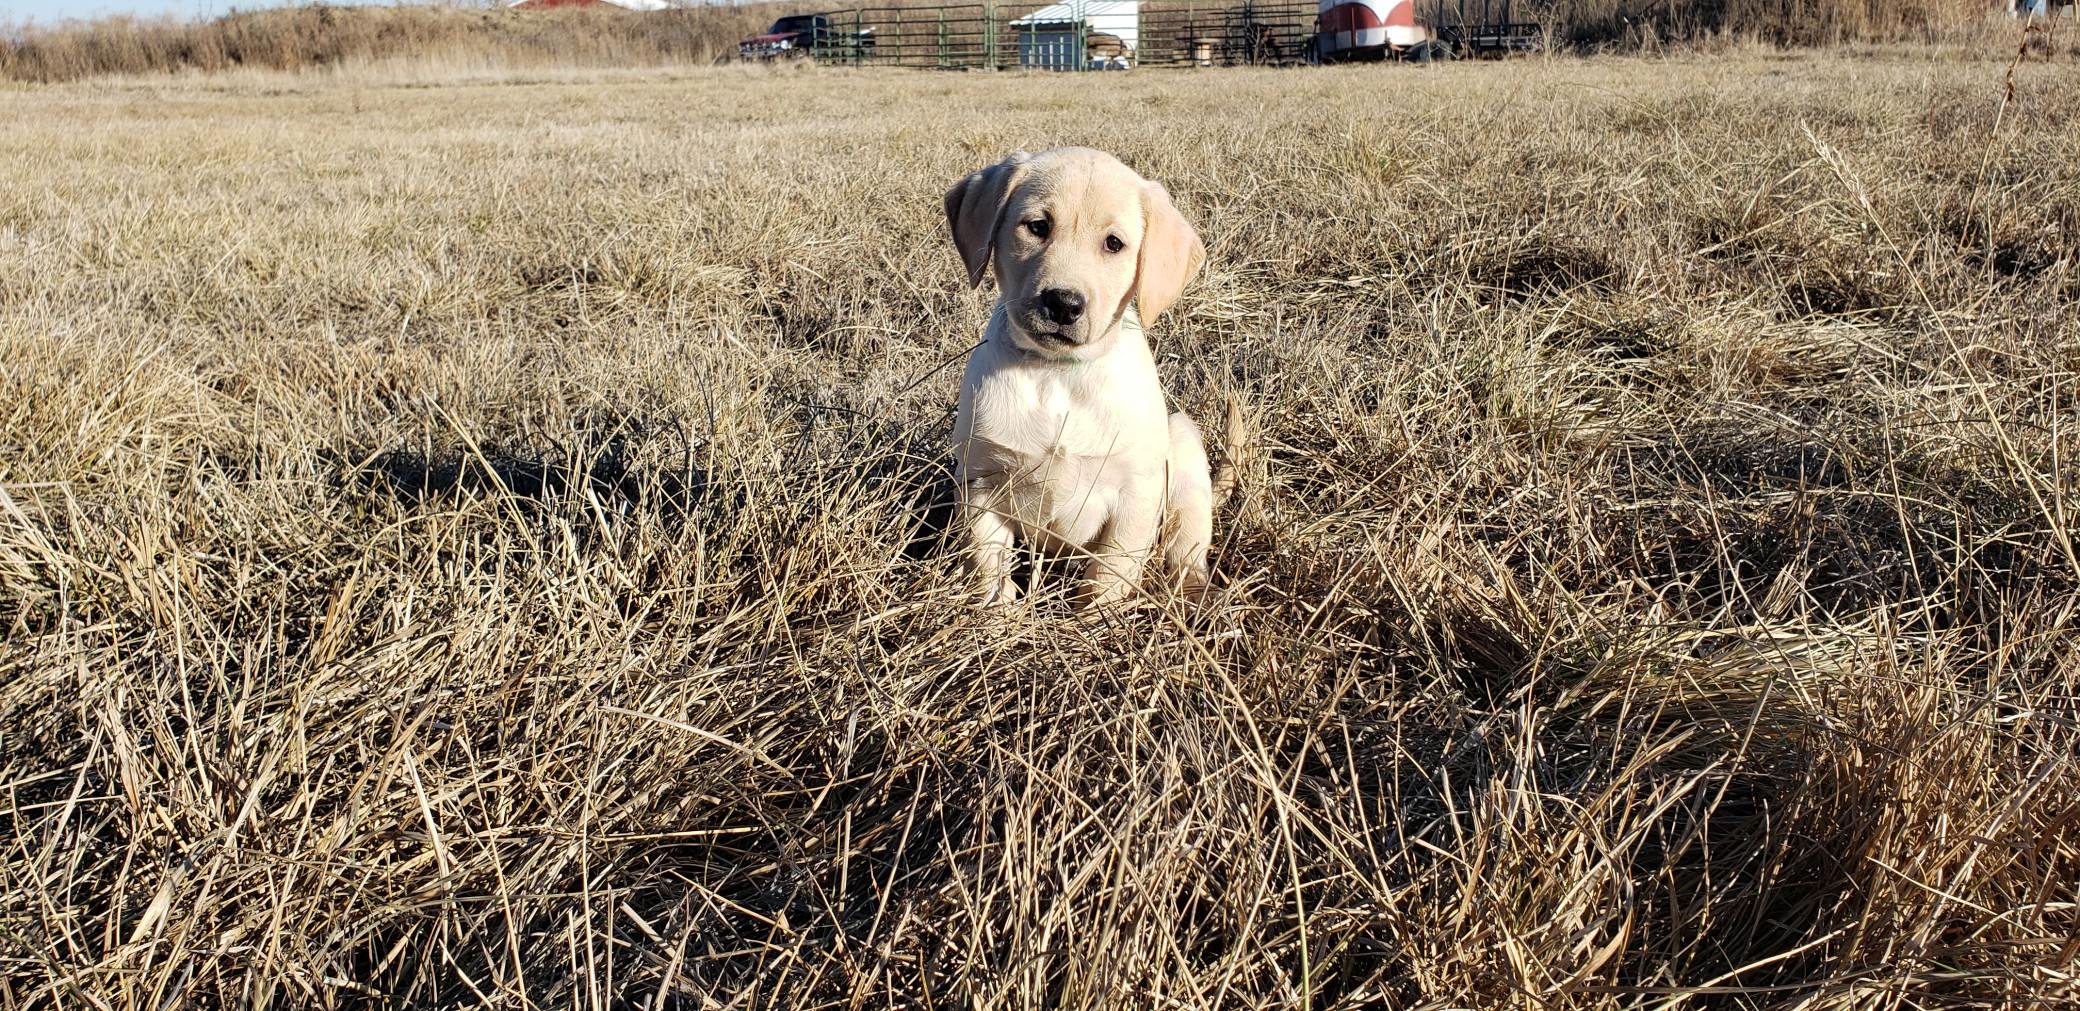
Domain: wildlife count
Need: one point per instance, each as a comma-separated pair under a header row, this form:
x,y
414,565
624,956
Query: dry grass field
x,y
471,541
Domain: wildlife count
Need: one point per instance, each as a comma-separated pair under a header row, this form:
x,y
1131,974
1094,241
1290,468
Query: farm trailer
x,y
1422,30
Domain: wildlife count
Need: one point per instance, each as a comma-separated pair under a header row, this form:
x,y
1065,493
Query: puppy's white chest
x,y
1037,415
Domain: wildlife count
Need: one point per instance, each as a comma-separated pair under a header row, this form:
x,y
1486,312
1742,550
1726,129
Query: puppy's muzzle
x,y
1055,319
1062,306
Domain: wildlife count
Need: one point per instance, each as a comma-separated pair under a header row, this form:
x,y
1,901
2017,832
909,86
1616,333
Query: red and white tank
x,y
1360,28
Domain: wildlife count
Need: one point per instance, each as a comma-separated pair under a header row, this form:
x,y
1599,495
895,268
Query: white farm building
x,y
1079,34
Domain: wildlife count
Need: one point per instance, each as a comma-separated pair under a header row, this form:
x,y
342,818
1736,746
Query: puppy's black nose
x,y
1062,305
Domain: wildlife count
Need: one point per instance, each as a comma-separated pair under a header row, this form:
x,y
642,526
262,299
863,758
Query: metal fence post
x,y
1082,55
989,35
1191,35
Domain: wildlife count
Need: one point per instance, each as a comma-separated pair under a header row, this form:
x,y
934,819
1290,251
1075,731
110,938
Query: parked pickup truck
x,y
807,35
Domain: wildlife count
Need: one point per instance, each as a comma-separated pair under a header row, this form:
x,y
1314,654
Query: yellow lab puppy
x,y
1062,437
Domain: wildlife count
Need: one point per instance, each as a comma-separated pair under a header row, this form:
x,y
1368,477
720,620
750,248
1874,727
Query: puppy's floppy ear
x,y
1171,253
974,207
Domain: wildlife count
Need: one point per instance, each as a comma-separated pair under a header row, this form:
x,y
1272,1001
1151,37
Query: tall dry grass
x,y
315,37
1783,22
473,545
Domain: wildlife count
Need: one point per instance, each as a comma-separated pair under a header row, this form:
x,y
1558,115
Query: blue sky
x,y
58,10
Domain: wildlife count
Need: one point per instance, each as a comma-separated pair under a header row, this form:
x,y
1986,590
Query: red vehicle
x,y
807,35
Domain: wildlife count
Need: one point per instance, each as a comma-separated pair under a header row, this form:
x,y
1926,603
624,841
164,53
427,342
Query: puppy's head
x,y
1076,236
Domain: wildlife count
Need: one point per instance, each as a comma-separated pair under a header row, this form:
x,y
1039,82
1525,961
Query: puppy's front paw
x,y
1101,595
1194,589
1000,592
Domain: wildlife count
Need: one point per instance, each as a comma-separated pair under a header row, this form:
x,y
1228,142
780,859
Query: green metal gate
x,y
1249,34
982,36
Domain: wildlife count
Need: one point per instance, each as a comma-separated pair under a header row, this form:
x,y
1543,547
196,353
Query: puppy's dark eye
x,y
1113,245
1039,227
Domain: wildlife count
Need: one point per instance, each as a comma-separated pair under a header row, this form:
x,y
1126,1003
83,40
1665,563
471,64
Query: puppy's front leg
x,y
1113,575
990,540
1188,527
